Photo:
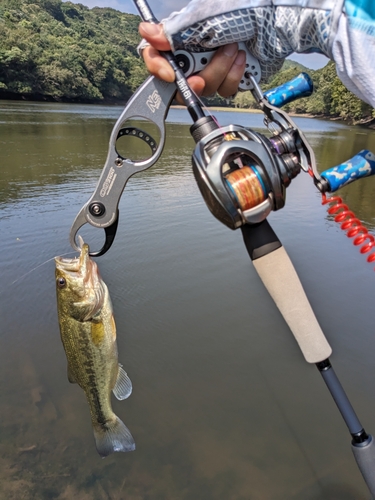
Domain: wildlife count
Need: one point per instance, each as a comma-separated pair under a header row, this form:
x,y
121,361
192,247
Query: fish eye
x,y
61,282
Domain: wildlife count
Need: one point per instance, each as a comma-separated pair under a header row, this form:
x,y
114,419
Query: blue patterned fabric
x,y
361,165
361,9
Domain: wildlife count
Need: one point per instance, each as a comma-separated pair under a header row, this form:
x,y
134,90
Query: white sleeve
x,y
353,50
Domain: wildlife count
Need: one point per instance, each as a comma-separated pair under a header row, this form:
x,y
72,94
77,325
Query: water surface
x,y
224,406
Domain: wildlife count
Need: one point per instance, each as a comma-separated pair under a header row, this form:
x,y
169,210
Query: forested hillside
x,y
63,51
330,98
53,50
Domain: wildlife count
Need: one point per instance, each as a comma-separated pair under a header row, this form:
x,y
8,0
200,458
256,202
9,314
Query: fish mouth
x,y
85,282
81,265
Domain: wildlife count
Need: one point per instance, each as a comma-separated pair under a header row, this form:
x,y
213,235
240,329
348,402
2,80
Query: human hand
x,y
223,74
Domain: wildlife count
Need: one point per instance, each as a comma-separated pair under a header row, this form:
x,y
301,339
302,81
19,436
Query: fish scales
x,y
88,334
86,368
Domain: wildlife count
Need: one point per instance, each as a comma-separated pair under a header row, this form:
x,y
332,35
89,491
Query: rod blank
x,y
364,455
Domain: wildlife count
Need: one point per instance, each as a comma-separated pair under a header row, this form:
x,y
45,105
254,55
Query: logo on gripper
x,y
154,101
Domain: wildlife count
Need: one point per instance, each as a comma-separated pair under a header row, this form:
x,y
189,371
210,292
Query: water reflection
x,y
224,407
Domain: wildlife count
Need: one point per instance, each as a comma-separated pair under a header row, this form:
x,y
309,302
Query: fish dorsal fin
x,y
123,386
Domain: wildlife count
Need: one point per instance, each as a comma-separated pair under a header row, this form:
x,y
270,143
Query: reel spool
x,y
247,187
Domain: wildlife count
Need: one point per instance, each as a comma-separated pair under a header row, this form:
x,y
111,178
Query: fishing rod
x,y
243,180
242,176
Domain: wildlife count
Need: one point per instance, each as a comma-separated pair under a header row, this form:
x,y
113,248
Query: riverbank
x,y
368,123
254,111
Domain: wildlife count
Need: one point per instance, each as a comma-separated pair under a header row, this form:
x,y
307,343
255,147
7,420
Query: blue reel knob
x,y
300,86
361,165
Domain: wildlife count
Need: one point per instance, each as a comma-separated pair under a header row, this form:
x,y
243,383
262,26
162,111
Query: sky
x,y
163,8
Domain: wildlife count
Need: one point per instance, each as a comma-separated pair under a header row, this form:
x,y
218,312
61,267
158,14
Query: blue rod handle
x,y
361,165
300,86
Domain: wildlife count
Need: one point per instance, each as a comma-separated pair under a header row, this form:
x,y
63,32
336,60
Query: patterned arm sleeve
x,y
274,29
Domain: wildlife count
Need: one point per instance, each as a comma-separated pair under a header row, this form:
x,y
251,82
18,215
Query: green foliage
x,y
63,51
346,105
329,99
332,98
57,50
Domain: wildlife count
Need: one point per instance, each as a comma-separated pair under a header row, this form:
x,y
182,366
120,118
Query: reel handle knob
x,y
361,165
300,86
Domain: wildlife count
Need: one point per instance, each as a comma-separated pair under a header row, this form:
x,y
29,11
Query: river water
x,y
224,407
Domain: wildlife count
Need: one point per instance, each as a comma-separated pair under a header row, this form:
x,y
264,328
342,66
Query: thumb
x,y
154,34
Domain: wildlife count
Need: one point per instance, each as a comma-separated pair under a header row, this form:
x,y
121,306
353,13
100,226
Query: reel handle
x,y
300,86
361,165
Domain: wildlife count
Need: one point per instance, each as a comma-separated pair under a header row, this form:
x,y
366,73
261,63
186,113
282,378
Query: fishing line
x,y
290,427
38,266
247,187
207,110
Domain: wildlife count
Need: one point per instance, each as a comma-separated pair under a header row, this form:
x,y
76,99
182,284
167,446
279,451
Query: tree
x,y
63,51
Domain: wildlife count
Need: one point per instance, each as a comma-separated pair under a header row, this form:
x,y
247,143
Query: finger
x,y
157,65
217,70
235,75
155,36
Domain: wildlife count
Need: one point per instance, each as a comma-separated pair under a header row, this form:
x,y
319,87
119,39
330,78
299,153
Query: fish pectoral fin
x,y
71,376
113,436
123,386
83,310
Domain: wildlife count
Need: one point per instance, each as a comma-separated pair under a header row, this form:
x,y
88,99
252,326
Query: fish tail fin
x,y
113,436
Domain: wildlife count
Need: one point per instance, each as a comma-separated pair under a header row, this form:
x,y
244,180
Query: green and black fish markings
x,y
88,334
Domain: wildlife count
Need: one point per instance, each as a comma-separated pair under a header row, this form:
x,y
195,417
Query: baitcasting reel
x,y
242,174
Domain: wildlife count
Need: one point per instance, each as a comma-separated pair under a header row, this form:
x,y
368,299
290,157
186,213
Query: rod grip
x,y
364,455
283,284
300,86
361,165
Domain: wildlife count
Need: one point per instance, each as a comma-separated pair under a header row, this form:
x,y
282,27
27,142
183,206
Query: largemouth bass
x,y
88,334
